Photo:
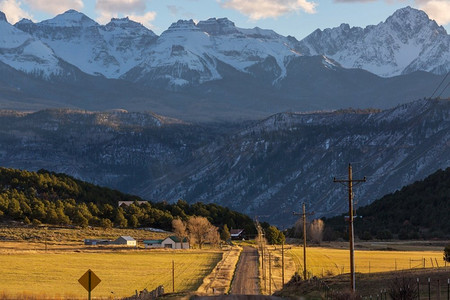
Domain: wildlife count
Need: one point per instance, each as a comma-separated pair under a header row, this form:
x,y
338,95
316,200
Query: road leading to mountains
x,y
246,278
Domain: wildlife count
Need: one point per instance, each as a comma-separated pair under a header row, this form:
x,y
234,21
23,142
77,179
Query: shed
x,y
125,240
174,242
94,242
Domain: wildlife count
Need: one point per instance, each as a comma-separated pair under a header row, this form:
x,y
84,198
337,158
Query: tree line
x,y
417,211
59,199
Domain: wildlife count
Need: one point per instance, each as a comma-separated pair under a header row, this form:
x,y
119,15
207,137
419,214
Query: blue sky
x,y
287,17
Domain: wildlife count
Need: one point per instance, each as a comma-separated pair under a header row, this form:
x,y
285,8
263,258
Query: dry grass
x,y
219,281
56,238
322,262
57,273
29,272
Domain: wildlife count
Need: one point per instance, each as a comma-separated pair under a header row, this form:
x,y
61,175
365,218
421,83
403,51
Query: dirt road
x,y
246,278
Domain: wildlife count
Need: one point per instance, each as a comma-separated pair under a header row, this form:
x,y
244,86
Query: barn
x,y
125,240
173,242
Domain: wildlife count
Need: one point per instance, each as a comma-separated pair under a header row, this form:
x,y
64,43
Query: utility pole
x,y
173,276
270,275
261,245
304,236
349,182
282,264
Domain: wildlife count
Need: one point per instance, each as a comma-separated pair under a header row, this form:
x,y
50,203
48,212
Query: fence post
x,y
418,289
438,290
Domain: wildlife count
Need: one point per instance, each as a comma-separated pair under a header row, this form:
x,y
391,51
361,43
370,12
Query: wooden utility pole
x,y
173,276
304,237
270,275
282,264
349,182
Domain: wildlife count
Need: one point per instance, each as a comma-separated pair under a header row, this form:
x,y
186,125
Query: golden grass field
x,y
327,261
56,274
30,272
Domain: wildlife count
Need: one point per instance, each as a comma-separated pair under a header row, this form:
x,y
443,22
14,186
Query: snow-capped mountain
x,y
189,53
25,53
407,41
109,50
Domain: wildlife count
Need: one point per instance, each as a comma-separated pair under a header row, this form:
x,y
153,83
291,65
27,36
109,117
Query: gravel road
x,y
246,278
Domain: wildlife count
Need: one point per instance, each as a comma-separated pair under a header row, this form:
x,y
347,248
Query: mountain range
x,y
213,70
265,167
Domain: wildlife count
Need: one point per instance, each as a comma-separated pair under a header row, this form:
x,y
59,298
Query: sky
x,y
297,18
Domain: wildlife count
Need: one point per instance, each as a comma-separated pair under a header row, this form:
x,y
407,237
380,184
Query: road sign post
x,y
89,281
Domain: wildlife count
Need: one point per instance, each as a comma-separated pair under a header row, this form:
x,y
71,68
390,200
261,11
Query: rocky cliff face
x,y
266,167
407,41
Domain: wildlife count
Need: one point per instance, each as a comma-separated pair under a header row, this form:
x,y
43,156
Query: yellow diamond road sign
x,y
87,277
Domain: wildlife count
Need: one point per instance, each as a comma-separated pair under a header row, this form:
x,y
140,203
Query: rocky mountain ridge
x,y
266,167
210,70
188,53
407,41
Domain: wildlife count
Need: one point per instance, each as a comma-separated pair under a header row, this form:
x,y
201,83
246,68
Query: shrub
x,y
403,288
447,253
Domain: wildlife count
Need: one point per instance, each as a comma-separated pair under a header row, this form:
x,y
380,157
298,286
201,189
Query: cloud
x,y
108,9
174,10
55,7
261,9
13,11
120,6
438,10
355,1
145,19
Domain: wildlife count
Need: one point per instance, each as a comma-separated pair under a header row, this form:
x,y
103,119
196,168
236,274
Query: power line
x,y
448,84
440,84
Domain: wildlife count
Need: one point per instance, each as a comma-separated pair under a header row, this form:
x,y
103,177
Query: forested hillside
x,y
419,210
47,197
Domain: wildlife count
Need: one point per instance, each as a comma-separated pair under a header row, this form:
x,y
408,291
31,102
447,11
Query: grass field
x,y
327,261
56,274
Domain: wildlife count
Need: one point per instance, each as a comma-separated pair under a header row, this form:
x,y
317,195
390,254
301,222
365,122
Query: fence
x,y
147,295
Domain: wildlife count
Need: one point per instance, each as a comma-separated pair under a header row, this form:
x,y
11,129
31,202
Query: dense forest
x,y
417,211
46,197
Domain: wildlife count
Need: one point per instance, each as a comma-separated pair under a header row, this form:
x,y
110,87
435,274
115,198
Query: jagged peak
x,y
182,25
70,18
127,23
3,17
257,32
24,21
219,26
408,16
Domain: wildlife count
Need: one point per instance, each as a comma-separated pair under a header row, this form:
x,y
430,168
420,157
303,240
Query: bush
x,y
384,235
447,253
402,288
366,236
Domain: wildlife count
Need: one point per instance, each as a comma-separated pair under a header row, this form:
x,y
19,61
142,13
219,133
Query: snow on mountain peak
x,y
406,42
70,18
130,26
219,26
3,17
183,25
24,22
